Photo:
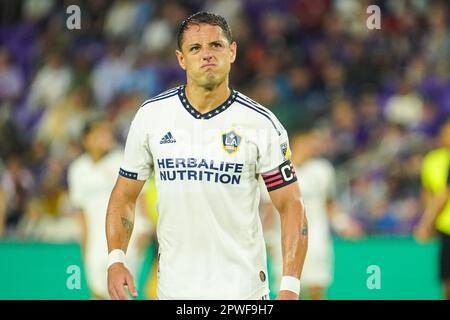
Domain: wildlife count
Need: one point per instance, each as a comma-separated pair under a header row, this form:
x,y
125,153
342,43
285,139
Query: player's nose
x,y
207,55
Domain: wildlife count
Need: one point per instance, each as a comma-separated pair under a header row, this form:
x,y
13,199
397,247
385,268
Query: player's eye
x,y
216,45
194,49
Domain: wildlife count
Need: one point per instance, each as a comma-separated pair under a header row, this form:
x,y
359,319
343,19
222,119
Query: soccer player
x,y
316,176
207,145
436,195
91,178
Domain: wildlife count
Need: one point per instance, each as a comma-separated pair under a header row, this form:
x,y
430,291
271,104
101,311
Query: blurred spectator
x,y
381,95
38,225
123,111
73,111
11,80
157,36
36,10
406,107
109,74
344,126
12,139
50,83
159,33
17,185
120,19
2,213
229,9
83,63
143,78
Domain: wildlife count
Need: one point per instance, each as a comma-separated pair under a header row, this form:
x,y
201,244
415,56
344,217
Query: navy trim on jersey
x,y
253,103
197,115
164,93
259,110
158,99
128,174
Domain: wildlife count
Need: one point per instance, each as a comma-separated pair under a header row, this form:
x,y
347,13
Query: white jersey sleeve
x,y
137,161
274,162
274,149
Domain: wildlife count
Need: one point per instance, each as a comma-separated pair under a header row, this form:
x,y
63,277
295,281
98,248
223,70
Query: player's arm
x,y
81,218
119,226
2,213
294,233
433,205
76,196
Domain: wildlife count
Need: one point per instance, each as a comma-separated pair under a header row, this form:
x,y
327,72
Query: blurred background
x,y
378,98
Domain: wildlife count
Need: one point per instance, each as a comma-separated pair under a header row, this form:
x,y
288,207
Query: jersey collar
x,y
193,112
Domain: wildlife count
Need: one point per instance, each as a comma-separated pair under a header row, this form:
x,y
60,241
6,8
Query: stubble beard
x,y
212,80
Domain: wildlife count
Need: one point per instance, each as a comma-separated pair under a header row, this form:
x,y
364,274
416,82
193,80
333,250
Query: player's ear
x,y
233,51
180,59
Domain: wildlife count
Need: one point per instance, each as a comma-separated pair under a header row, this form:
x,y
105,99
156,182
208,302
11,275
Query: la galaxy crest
x,y
231,141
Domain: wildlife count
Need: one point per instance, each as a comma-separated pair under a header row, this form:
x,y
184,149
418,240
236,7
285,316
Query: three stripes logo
x,y
168,138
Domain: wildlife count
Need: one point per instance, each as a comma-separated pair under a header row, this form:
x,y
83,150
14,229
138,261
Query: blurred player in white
x,y
316,177
91,178
207,144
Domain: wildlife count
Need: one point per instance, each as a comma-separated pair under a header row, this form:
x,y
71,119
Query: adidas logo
x,y
168,138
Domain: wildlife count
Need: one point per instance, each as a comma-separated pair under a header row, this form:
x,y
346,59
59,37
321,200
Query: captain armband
x,y
280,177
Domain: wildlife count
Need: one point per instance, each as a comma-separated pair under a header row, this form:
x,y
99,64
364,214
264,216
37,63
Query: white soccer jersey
x,y
317,180
90,186
206,169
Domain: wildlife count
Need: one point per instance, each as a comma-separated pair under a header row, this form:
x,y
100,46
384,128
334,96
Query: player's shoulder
x,y
259,112
115,155
157,106
161,98
79,163
324,165
437,154
434,158
251,105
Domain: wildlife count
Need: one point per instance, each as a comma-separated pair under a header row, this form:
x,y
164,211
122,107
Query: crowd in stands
x,y
377,96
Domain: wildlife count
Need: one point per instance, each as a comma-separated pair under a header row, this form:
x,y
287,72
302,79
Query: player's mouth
x,y
209,65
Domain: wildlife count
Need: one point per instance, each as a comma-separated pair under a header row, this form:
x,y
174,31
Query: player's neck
x,y
205,99
96,155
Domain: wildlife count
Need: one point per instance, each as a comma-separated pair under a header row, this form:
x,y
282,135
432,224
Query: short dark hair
x,y
92,123
206,18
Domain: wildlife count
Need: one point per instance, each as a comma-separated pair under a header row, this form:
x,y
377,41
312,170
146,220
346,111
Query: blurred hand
x,y
287,295
423,232
119,277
